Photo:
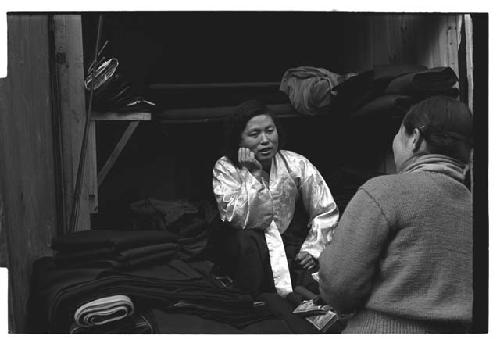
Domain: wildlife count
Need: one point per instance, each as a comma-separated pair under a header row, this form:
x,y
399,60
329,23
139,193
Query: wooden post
x,y
70,73
26,149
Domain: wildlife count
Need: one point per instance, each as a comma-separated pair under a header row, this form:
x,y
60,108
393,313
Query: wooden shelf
x,y
135,116
166,86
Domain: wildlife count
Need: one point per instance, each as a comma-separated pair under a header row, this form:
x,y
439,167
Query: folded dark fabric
x,y
57,292
366,86
138,252
386,105
389,72
179,323
93,239
434,80
84,255
237,317
134,324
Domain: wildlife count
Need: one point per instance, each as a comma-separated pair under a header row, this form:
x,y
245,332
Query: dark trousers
x,y
244,256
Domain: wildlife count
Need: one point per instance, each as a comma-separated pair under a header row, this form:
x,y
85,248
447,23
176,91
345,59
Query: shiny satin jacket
x,y
248,203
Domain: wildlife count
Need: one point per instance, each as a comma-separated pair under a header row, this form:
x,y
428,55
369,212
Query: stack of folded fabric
x,y
109,248
187,220
389,91
65,296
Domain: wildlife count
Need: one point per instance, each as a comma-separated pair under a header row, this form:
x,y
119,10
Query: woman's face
x,y
261,137
402,147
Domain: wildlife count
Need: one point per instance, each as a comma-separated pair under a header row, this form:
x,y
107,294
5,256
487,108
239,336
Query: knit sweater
x,y
401,257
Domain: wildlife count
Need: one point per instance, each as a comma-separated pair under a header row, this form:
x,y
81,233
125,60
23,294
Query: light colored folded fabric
x,y
104,310
310,88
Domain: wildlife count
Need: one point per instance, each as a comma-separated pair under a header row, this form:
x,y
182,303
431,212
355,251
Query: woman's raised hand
x,y
247,159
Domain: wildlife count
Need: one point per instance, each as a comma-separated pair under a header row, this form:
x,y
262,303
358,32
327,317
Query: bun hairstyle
x,y
445,124
235,125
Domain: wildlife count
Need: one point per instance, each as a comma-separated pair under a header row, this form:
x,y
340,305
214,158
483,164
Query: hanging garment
x,y
309,88
246,203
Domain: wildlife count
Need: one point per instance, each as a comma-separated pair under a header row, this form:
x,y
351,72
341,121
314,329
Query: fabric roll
x,y
434,80
104,310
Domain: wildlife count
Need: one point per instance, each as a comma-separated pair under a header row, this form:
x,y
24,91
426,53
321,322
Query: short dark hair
x,y
446,125
236,122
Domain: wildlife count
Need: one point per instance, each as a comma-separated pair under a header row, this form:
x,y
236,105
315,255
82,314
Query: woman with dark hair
x,y
256,186
401,257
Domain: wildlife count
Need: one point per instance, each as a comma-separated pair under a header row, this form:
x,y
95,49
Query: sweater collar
x,y
435,163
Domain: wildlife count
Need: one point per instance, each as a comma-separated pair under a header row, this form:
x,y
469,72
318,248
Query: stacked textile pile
x,y
109,248
187,220
388,91
111,292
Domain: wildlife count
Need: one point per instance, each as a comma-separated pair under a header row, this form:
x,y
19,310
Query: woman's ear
x,y
416,140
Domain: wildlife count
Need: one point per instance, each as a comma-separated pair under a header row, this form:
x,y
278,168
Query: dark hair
x,y
235,125
445,124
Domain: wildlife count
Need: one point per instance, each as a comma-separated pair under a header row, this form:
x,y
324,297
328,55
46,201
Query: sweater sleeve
x,y
243,201
348,264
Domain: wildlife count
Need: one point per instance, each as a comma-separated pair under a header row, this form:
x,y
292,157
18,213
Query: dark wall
x,y
175,161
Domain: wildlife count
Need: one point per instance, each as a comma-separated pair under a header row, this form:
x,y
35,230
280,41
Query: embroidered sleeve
x,y
243,201
322,210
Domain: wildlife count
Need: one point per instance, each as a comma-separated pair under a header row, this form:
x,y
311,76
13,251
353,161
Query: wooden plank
x,y
116,151
26,150
70,69
452,43
469,60
122,116
166,86
3,242
208,113
91,181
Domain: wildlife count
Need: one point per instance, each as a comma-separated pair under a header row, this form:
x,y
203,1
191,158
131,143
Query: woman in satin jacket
x,y
261,191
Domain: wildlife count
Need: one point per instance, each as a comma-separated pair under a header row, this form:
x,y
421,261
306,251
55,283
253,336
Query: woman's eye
x,y
270,130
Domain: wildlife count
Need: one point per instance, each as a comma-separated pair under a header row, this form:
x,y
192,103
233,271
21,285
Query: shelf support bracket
x,y
116,151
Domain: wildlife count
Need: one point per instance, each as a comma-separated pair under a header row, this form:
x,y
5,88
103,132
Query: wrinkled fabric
x,y
309,88
247,203
434,80
134,324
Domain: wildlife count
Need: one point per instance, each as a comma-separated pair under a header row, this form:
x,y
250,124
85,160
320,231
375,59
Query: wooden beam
x,y
116,151
468,60
27,153
70,70
210,113
122,116
216,85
